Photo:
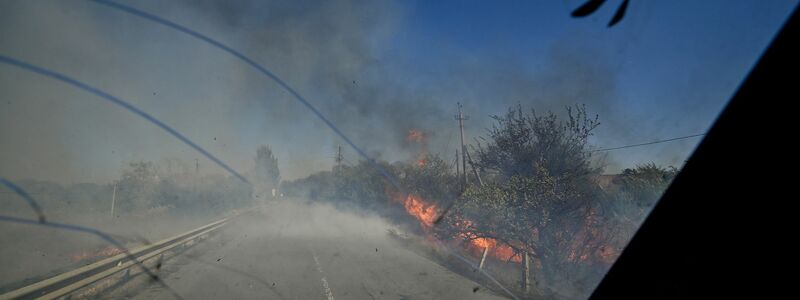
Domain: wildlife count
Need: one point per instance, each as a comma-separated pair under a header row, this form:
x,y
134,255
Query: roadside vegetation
x,y
542,194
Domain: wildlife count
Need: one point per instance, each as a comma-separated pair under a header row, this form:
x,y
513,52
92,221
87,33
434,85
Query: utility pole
x,y
339,157
474,170
461,117
196,166
458,172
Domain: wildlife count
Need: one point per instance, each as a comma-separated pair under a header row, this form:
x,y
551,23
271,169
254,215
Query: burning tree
x,y
432,180
539,197
426,186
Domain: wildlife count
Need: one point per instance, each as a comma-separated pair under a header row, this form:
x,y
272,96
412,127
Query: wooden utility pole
x,y
339,157
461,118
474,170
458,172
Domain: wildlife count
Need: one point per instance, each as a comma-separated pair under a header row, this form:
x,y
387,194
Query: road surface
x,y
294,251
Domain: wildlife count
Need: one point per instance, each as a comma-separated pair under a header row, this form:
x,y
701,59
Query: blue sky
x,y
376,69
674,64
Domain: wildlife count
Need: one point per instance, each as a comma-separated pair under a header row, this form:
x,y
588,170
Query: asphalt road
x,y
293,251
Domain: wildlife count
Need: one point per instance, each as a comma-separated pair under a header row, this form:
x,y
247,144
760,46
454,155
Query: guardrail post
x,y
483,258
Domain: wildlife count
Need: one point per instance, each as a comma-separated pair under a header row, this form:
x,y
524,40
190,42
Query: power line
x,y
648,143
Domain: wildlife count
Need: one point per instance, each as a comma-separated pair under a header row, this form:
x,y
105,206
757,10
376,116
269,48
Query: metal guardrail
x,y
71,281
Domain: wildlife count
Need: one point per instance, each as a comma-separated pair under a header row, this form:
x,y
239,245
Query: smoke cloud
x,y
348,57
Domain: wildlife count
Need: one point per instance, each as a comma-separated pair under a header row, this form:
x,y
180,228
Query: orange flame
x,y
425,213
504,252
501,252
421,161
483,243
477,245
415,135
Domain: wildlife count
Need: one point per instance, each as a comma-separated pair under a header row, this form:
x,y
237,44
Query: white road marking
x,y
325,286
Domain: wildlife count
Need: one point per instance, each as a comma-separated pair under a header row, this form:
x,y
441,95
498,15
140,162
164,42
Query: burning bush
x,y
432,181
539,197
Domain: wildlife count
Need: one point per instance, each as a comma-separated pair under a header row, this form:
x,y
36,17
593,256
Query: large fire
x,y
478,244
502,251
426,213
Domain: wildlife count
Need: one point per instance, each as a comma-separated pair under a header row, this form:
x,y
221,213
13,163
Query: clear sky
x,y
377,69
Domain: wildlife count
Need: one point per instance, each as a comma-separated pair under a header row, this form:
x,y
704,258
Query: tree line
x,y
145,189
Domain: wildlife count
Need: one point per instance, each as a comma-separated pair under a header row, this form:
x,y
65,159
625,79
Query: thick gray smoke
x,y
339,54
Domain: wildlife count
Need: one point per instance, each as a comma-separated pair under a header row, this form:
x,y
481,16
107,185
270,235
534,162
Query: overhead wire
x,y
648,143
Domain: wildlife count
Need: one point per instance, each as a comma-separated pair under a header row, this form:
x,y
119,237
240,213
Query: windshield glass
x,y
354,149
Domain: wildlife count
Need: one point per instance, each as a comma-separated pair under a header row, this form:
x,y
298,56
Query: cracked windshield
x,y
349,149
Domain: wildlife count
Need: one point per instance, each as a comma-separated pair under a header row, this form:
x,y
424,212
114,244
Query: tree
x,y
433,180
645,183
523,144
137,187
362,184
635,192
268,176
539,197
